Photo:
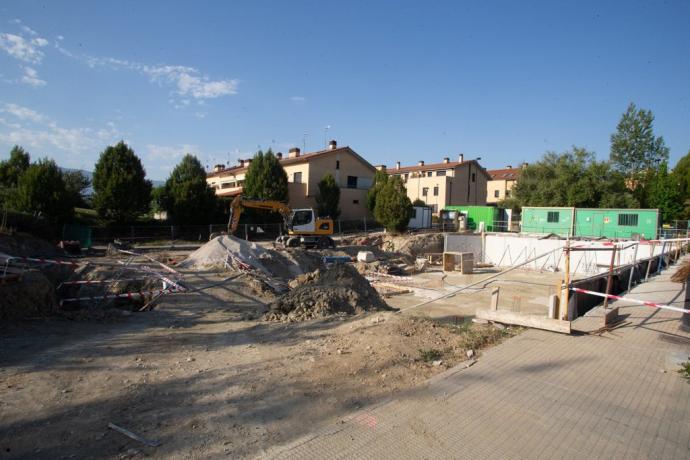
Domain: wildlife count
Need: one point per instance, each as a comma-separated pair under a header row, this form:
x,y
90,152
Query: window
x,y
429,173
297,178
351,181
355,201
425,191
473,177
302,217
406,177
337,164
436,191
628,220
553,216
497,193
441,173
507,193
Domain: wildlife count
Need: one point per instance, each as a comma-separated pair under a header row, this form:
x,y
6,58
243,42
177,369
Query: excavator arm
x,y
240,202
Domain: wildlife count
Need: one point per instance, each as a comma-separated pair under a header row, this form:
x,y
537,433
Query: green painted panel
x,y
547,220
476,214
617,223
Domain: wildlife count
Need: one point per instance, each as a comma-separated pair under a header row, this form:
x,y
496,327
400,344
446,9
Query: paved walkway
x,y
539,395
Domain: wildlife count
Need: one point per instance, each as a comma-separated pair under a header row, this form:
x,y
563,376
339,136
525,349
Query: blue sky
x,y
396,80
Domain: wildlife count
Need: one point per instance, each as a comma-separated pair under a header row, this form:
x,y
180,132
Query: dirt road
x,y
202,374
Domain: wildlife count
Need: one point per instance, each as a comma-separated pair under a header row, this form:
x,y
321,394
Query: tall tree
x,y
572,178
393,208
681,174
328,198
665,194
187,197
14,167
41,189
76,184
121,191
266,179
635,151
380,180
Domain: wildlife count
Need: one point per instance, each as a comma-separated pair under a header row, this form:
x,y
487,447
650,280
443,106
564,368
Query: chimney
x,y
381,168
279,155
332,145
461,158
240,162
446,160
247,161
524,165
509,167
294,152
420,163
397,165
218,168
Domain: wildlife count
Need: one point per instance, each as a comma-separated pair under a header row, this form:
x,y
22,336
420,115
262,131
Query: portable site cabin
x,y
421,217
490,215
548,220
617,223
594,223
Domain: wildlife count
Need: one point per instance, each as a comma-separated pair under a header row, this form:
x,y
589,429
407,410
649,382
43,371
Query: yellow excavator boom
x,y
239,203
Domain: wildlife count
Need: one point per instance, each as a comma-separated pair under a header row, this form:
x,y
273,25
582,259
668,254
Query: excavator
x,y
304,227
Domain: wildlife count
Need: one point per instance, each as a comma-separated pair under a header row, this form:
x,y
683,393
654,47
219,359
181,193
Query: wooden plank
x,y
518,319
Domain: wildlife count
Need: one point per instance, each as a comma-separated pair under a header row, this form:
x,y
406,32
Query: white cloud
x,y
27,50
23,113
170,152
31,77
42,133
298,99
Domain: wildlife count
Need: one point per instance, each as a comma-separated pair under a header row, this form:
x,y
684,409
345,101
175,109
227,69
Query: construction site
x,y
234,347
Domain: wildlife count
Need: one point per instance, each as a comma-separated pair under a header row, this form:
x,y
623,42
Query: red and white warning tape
x,y
127,295
71,283
43,261
628,299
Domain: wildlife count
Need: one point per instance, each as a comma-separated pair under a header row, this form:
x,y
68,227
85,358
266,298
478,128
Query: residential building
x,y
352,173
447,183
501,183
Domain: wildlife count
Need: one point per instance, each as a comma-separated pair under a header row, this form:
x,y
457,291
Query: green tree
x,y
380,180
328,198
266,179
157,199
665,194
418,202
41,189
393,208
681,174
121,191
76,183
635,151
572,178
14,167
187,197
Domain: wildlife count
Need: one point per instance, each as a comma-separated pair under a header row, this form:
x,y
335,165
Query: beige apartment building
x,y
501,183
447,183
352,173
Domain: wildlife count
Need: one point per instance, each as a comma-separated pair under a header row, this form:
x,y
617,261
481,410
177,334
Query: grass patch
x,y
477,336
430,355
684,371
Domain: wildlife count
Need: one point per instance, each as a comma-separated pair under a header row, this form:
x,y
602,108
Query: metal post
x,y
649,262
365,224
633,266
172,232
563,306
246,232
609,280
661,258
685,319
340,229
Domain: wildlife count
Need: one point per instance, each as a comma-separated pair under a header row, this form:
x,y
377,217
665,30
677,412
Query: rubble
x,y
337,290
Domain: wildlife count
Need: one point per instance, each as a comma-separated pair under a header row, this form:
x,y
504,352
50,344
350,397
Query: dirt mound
x,y
415,245
34,295
337,290
25,245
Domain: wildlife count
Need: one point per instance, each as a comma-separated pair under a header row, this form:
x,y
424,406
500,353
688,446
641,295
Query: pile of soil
x,y
33,296
415,245
336,290
25,245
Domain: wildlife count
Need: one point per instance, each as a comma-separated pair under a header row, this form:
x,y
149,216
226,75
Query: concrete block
x,y
366,256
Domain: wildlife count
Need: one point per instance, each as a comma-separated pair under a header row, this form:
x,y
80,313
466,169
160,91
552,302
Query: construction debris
x,y
337,290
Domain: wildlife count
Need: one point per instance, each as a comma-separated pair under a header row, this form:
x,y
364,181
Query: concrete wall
x,y
504,250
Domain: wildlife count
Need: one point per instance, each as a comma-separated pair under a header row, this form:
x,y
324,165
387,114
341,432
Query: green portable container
x,y
475,214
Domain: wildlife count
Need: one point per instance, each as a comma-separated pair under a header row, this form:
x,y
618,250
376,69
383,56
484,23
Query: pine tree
x,y
187,197
266,179
328,198
41,189
393,208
